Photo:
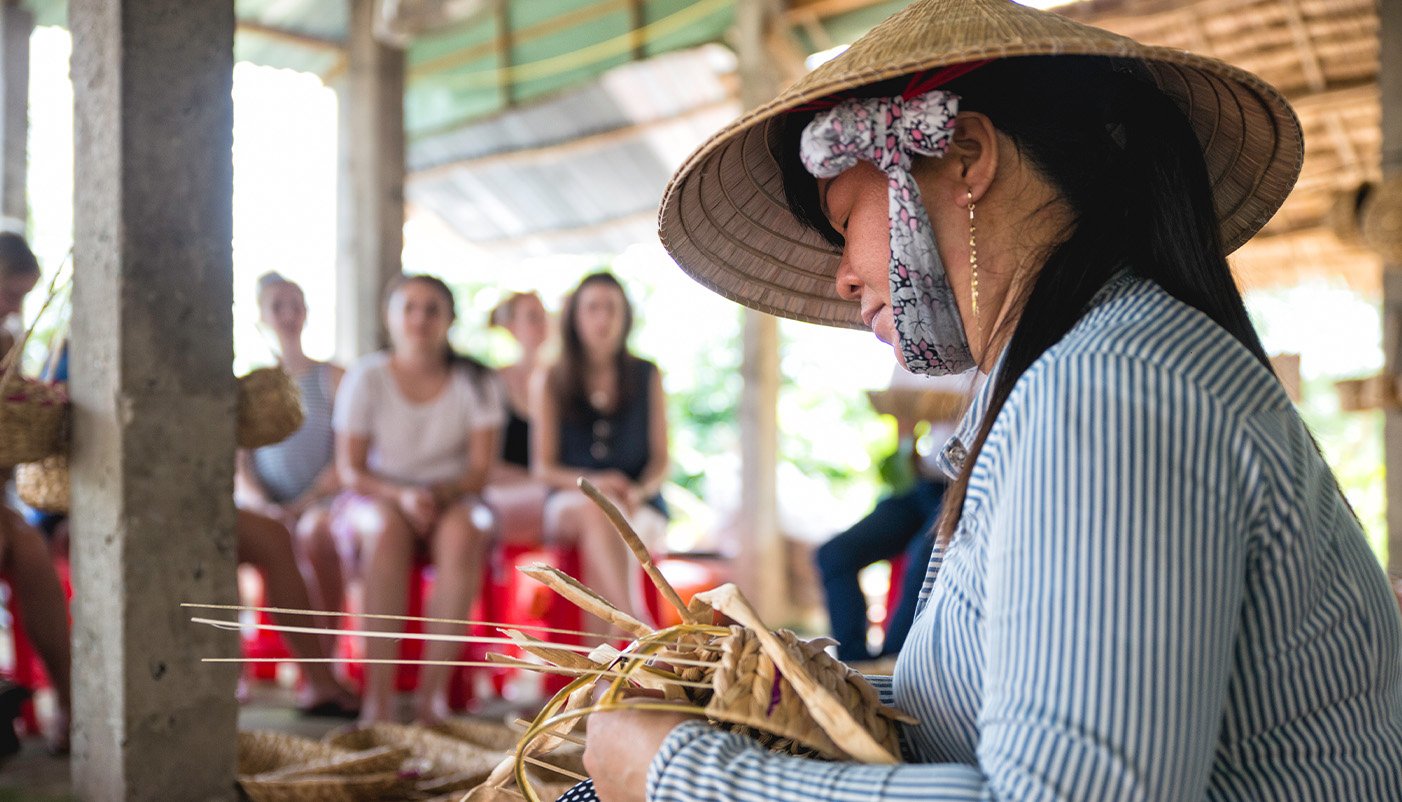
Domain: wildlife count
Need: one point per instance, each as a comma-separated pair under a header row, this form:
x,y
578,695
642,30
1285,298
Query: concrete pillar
x,y
16,24
762,568
153,398
371,191
1390,89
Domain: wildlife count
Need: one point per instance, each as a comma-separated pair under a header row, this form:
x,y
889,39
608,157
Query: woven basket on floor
x,y
443,763
44,485
275,767
269,408
32,421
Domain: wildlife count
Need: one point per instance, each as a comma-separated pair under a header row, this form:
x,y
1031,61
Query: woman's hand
x,y
419,507
621,746
617,486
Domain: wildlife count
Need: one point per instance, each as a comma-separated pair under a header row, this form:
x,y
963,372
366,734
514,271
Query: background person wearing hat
x,y
1147,584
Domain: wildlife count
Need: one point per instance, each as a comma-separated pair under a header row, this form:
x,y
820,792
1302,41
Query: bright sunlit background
x,y
285,220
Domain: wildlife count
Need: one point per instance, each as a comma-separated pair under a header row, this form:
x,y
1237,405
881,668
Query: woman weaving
x,y
1147,583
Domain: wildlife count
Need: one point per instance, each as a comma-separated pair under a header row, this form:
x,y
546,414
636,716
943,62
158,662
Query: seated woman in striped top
x,y
294,481
1147,583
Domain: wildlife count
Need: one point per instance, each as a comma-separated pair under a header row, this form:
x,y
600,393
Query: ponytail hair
x,y
1128,166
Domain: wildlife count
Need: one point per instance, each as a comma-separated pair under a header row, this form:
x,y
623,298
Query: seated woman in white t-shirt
x,y
417,429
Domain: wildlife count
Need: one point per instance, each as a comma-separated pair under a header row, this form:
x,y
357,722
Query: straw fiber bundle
x,y
724,218
442,763
269,408
274,767
44,485
787,693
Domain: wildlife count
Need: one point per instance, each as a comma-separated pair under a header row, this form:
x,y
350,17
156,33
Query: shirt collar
x,y
956,449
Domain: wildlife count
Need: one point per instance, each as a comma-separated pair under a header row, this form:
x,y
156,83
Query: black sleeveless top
x,y
516,439
617,441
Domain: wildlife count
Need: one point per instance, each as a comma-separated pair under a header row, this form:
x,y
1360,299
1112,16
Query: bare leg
x,y
267,545
458,550
321,566
608,565
24,558
387,551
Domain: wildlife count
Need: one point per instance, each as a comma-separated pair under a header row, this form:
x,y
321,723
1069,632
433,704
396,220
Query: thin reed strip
x,y
521,725
558,770
539,667
420,636
386,617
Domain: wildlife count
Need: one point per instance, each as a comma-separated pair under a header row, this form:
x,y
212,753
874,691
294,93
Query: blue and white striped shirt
x,y
1156,592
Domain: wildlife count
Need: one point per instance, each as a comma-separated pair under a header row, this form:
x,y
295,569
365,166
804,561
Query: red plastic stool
x,y
406,678
689,576
893,592
259,643
514,599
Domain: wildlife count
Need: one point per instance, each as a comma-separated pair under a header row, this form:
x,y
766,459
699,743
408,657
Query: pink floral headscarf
x,y
889,132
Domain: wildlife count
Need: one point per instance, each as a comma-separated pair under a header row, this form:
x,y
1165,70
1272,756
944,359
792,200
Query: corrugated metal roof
x,y
582,172
562,142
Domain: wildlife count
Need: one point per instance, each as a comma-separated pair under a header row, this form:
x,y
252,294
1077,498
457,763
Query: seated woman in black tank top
x,y
600,413
516,498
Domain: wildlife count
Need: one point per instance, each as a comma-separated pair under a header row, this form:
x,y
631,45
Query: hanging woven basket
x,y
32,418
44,485
269,408
1380,219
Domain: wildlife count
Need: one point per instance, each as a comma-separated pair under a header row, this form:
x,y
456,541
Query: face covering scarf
x,y
889,132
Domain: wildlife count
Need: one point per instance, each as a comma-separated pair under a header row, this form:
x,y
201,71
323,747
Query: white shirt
x,y
415,443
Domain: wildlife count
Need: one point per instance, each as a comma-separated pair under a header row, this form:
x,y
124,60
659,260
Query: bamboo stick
x,y
639,549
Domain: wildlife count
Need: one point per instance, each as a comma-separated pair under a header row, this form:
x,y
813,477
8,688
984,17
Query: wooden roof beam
x,y
1309,59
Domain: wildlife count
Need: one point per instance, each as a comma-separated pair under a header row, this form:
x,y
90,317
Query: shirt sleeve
x,y
353,410
1113,591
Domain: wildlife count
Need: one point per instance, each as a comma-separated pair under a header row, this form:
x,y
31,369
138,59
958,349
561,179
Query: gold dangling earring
x,y
973,257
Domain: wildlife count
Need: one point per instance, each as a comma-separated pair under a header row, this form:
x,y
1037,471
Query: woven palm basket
x,y
927,405
33,418
44,485
274,767
441,763
269,408
1381,219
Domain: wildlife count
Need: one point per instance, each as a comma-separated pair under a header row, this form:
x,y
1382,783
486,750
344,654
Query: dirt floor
x,y
35,776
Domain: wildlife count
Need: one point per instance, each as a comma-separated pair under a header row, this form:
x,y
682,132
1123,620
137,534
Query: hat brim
x,y
725,220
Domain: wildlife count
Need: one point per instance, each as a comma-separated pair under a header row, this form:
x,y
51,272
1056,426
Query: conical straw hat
x,y
725,221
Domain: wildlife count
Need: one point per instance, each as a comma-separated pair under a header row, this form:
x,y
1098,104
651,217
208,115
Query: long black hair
x,y
1128,166
568,376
